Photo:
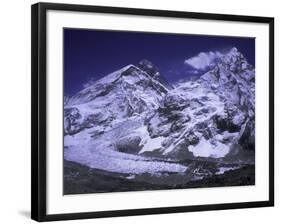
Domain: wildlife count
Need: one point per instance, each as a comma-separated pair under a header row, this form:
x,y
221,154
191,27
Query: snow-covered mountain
x,y
120,95
134,121
212,116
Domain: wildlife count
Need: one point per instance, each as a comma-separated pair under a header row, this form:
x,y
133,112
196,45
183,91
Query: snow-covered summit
x,y
119,95
127,76
148,67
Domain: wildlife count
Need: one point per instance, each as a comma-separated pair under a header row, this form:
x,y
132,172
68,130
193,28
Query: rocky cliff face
x,y
133,115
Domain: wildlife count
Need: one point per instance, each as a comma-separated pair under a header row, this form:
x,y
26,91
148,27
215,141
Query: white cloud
x,y
195,72
203,60
90,82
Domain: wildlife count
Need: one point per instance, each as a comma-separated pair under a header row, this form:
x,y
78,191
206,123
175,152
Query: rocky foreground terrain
x,y
132,130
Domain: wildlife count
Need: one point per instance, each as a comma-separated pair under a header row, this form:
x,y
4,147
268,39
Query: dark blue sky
x,y
91,54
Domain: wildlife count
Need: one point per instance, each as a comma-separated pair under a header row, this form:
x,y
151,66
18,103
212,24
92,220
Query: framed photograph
x,y
139,111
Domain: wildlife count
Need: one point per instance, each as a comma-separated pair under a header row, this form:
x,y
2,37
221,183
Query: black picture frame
x,y
39,108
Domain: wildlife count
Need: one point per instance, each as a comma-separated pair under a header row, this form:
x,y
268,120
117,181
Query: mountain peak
x,y
153,71
234,53
233,50
148,67
236,60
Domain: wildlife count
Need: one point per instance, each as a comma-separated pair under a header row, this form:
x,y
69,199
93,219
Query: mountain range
x,y
133,121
